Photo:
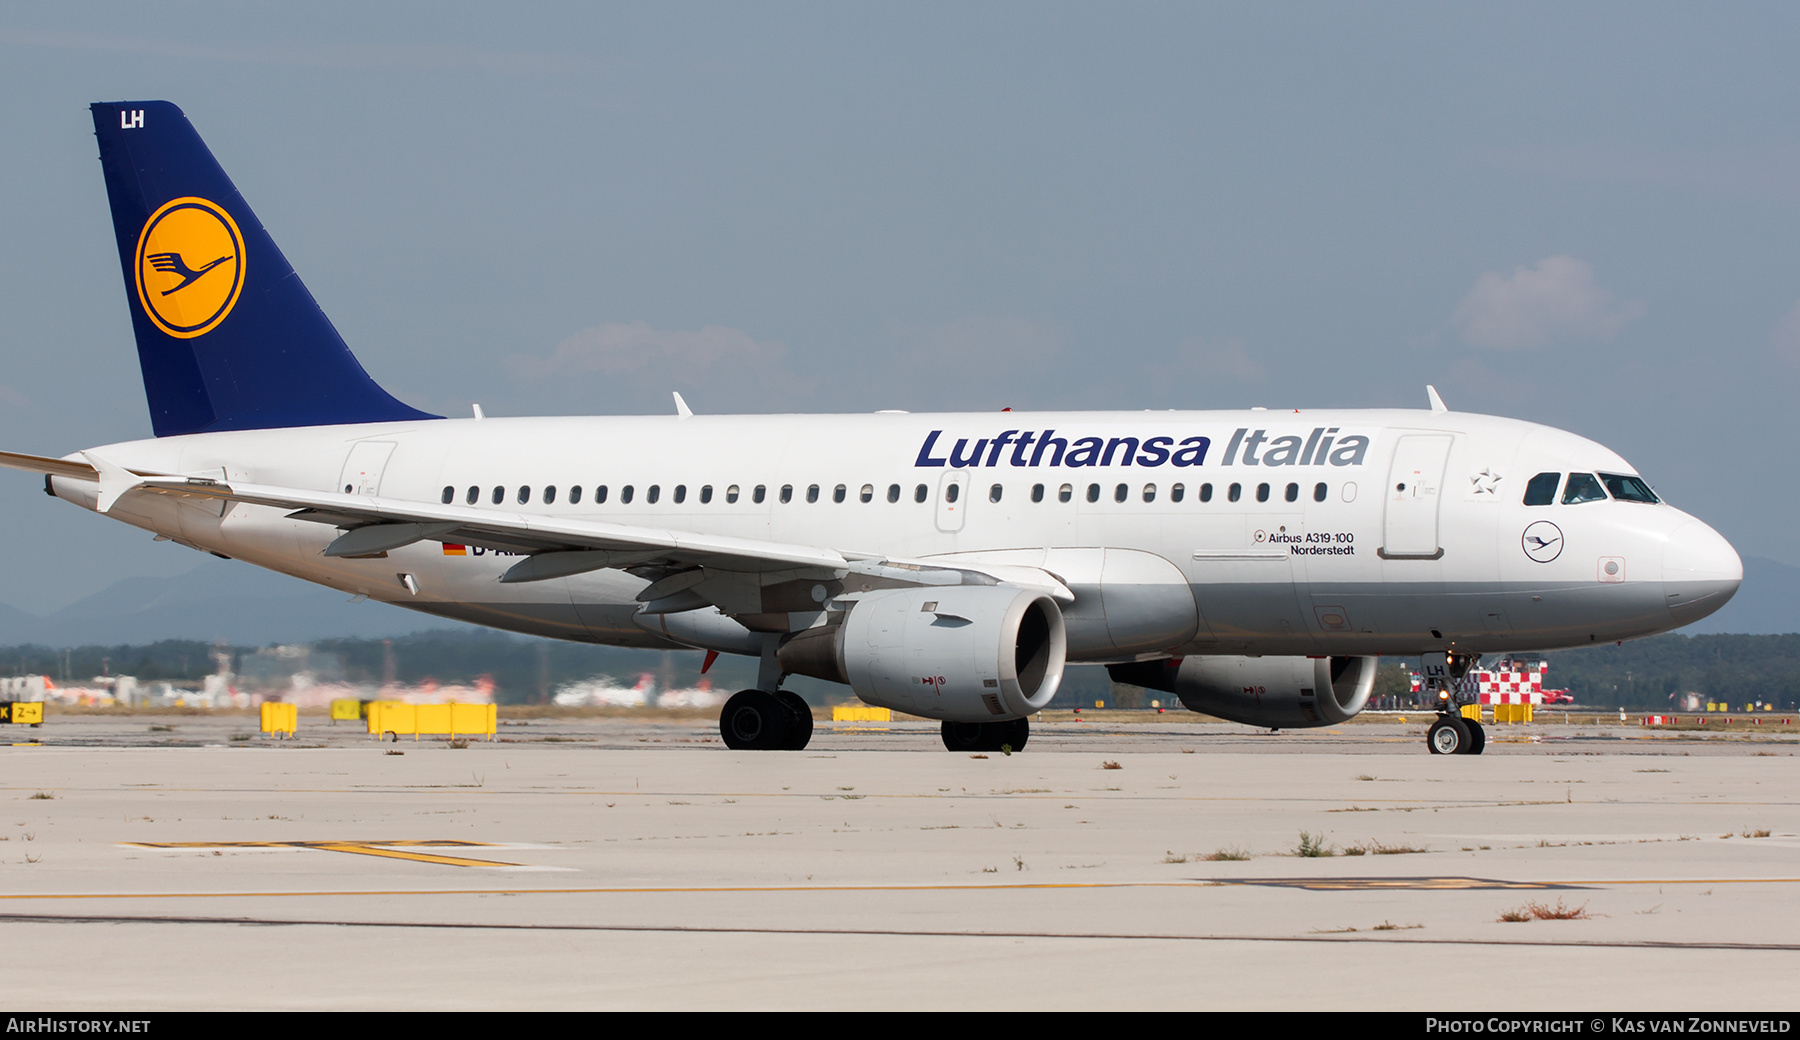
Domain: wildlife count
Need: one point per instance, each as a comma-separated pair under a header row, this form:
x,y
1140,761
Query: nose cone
x,y
1701,571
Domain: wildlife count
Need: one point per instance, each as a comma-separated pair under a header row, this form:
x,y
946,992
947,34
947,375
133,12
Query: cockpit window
x,y
1583,487
1542,489
1628,489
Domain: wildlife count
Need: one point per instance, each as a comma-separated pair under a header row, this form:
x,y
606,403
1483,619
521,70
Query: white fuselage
x,y
1350,532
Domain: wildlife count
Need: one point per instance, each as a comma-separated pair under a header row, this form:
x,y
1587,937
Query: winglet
x,y
681,409
115,481
1437,403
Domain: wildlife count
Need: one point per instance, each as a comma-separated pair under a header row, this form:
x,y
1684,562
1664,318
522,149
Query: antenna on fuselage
x,y
682,411
1437,403
478,412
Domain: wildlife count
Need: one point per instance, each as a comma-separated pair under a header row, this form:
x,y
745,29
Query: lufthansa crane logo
x,y
1543,541
190,266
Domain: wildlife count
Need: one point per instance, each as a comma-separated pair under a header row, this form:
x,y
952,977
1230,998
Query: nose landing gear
x,y
1452,734
1455,735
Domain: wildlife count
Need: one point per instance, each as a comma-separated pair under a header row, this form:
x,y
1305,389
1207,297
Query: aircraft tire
x,y
964,736
754,720
800,720
1449,735
1477,737
986,736
1012,735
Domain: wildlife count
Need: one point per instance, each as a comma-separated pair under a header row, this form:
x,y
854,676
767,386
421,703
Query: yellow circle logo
x,y
190,266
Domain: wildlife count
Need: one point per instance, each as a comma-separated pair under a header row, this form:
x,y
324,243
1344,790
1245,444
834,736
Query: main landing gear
x,y
767,718
1452,734
1006,737
758,720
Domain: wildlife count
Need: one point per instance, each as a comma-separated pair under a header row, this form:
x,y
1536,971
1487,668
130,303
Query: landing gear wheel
x,y
1005,737
1449,735
1012,735
754,720
964,736
1477,737
800,720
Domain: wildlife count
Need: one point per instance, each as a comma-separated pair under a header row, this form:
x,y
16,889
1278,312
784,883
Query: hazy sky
x,y
1583,216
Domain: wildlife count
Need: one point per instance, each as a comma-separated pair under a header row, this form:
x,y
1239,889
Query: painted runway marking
x,y
386,849
1361,884
676,929
814,889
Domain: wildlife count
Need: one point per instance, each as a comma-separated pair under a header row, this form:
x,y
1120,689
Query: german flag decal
x,y
452,549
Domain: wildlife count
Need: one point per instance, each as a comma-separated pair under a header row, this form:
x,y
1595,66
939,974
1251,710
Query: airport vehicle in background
x,y
1252,563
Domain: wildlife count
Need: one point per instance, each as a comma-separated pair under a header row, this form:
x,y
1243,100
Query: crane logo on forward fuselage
x,y
1543,541
190,266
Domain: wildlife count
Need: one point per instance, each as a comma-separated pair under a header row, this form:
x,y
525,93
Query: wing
x,y
687,570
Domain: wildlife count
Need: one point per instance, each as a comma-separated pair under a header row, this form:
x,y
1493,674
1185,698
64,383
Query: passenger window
x,y
1149,492
705,494
1318,492
893,492
1293,492
1582,487
1623,488
550,494
1234,492
759,494
1064,493
994,493
599,494
680,493
868,493
654,493
1262,492
787,493
449,493
812,493
1176,492
524,493
1206,492
1093,492
731,495
1037,492
1541,491
575,495
499,495
837,493
952,492
920,493
625,495
473,496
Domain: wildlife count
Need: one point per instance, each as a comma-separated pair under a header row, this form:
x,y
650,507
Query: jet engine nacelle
x,y
1280,692
962,653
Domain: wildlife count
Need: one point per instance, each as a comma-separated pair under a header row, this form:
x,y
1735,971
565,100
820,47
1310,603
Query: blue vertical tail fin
x,y
228,338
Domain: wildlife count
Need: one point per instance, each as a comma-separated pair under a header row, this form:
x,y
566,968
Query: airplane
x,y
1255,563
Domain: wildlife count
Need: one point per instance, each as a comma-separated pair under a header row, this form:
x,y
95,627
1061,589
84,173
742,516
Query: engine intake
x,y
1282,692
962,653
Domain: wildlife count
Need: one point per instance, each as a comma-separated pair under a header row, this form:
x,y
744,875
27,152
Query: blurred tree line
x,y
1646,673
